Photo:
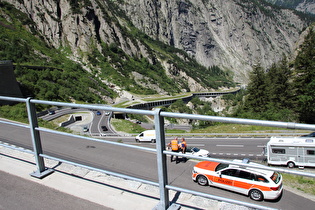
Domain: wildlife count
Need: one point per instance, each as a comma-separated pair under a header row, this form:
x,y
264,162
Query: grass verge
x,y
301,183
238,128
126,126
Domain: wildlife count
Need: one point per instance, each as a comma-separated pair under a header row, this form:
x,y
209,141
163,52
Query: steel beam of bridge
x,y
150,105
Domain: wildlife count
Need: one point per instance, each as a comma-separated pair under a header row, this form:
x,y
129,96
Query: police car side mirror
x,y
220,175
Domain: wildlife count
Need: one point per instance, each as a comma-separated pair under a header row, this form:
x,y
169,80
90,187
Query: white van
x,y
148,135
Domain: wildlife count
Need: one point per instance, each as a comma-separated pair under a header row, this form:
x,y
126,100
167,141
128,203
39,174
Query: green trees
x,y
180,107
279,87
61,85
304,80
270,94
282,93
257,97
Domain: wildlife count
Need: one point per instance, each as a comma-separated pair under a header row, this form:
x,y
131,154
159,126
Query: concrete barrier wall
x,y
8,84
70,121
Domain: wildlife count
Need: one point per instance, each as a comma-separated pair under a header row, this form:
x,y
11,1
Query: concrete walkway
x,y
71,187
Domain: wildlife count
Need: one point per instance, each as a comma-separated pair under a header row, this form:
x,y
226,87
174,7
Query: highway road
x,y
143,164
100,120
218,147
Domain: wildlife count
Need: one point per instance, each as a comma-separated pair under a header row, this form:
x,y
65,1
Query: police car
x,y
258,184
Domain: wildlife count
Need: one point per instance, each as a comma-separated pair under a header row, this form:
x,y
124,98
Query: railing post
x,y
37,146
161,160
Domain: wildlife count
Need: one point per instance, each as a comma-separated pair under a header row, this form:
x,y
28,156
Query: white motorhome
x,y
148,135
291,151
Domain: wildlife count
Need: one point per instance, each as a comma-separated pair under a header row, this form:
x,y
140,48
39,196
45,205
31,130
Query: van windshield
x,y
276,177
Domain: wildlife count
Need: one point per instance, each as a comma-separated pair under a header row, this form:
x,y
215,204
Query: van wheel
x,y
153,140
291,165
256,195
137,140
202,180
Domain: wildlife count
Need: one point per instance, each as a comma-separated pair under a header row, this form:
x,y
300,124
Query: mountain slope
x,y
306,6
233,34
98,36
152,46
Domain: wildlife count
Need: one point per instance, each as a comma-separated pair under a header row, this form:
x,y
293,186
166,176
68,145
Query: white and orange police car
x,y
258,184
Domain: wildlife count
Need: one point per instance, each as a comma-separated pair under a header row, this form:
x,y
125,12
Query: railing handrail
x,y
160,143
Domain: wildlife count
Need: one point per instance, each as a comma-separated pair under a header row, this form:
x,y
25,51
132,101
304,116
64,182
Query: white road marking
x,y
196,145
229,154
226,145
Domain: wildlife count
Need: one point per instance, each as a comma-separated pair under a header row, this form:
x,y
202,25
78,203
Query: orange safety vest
x,y
174,145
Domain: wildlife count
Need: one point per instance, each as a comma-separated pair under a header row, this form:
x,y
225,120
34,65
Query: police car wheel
x,y
256,195
153,140
202,180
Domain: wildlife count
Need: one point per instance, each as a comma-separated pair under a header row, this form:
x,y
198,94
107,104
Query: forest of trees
x,y
286,91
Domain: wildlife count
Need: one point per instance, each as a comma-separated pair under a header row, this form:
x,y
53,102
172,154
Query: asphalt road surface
x,y
140,163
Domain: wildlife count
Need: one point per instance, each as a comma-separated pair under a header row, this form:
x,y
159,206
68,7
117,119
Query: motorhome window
x,y
310,152
278,151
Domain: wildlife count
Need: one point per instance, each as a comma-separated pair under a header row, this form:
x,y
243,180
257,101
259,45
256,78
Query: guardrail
x,y
160,150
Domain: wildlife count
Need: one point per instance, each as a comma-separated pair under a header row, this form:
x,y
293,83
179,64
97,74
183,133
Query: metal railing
x,y
160,149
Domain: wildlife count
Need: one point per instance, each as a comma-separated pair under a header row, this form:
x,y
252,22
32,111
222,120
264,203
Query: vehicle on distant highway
x,y
104,128
98,113
197,152
85,129
256,183
51,112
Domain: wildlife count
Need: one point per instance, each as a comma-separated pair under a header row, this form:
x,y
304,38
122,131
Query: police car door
x,y
243,181
225,178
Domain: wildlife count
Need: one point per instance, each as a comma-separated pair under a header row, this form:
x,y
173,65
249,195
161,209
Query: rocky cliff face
x,y
61,25
306,6
232,34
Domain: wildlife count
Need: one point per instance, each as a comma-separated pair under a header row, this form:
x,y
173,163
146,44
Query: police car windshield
x,y
221,166
276,177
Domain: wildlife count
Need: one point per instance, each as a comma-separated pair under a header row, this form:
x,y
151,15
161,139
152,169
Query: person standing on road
x,y
175,148
183,146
